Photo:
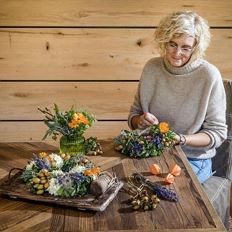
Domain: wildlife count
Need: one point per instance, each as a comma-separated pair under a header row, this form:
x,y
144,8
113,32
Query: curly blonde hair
x,y
183,23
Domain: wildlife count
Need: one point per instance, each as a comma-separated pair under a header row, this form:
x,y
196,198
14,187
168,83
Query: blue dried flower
x,y
165,193
137,148
77,177
157,140
65,180
40,163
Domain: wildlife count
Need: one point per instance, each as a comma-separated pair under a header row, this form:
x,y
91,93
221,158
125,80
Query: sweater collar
x,y
189,67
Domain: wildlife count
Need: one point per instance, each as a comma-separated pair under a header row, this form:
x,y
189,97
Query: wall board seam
x,y
98,27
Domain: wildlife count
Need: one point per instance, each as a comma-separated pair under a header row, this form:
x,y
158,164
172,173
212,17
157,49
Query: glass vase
x,y
72,146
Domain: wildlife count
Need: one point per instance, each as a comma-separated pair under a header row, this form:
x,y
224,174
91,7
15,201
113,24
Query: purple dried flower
x,y
157,140
40,163
165,193
137,148
65,180
77,177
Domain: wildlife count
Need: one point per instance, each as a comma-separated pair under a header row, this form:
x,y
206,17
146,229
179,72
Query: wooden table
x,y
193,212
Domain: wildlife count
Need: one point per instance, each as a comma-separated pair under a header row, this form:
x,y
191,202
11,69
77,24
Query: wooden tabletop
x,y
193,212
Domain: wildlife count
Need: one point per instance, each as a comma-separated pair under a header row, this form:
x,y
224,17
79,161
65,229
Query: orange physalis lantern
x,y
155,169
175,170
169,178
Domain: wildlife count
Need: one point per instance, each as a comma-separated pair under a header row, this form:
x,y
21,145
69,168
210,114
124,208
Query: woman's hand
x,y
147,119
144,120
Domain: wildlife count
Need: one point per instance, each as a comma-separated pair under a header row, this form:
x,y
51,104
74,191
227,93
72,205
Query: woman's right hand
x,y
147,119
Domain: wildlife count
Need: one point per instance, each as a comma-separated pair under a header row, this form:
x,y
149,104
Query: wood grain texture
x,y
74,54
90,54
34,131
118,216
107,12
106,100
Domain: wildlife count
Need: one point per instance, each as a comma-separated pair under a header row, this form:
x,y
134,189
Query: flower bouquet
x,y
149,142
71,125
60,175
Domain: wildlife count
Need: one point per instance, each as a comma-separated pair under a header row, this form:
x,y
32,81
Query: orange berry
x,y
155,169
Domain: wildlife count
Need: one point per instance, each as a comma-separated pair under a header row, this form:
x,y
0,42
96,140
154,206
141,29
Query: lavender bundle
x,y
161,191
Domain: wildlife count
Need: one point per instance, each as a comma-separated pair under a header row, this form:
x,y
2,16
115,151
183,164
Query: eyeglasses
x,y
184,50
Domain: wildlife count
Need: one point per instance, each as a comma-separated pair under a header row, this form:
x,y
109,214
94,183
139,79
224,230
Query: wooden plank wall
x,y
87,53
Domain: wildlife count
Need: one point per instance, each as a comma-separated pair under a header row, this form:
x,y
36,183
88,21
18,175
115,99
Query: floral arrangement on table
x,y
60,174
149,142
71,125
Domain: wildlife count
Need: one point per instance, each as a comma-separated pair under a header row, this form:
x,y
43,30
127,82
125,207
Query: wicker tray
x,y
14,187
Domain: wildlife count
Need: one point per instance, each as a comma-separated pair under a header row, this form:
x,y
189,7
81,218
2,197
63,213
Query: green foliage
x,y
151,142
91,144
70,123
28,174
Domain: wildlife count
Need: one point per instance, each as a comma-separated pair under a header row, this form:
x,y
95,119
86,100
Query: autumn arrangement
x,y
60,174
70,126
68,173
149,142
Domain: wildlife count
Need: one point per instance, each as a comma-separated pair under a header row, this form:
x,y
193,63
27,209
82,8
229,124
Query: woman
x,y
184,90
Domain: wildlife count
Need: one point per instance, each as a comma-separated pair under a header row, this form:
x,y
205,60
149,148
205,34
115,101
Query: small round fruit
x,y
135,207
154,206
40,186
46,185
36,180
39,192
43,181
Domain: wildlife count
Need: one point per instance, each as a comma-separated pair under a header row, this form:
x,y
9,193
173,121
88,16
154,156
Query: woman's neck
x,y
190,66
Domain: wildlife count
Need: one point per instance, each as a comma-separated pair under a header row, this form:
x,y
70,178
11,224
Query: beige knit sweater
x,y
191,98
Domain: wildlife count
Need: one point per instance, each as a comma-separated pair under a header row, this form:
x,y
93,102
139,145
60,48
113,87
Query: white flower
x,y
77,168
53,187
58,160
30,165
94,177
56,173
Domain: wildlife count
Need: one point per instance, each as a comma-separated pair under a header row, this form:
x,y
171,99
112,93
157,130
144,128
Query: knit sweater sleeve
x,y
135,109
139,107
215,120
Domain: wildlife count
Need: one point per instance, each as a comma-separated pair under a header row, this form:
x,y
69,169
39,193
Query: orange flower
x,y
93,171
43,154
164,127
72,124
80,118
77,116
77,119
85,121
